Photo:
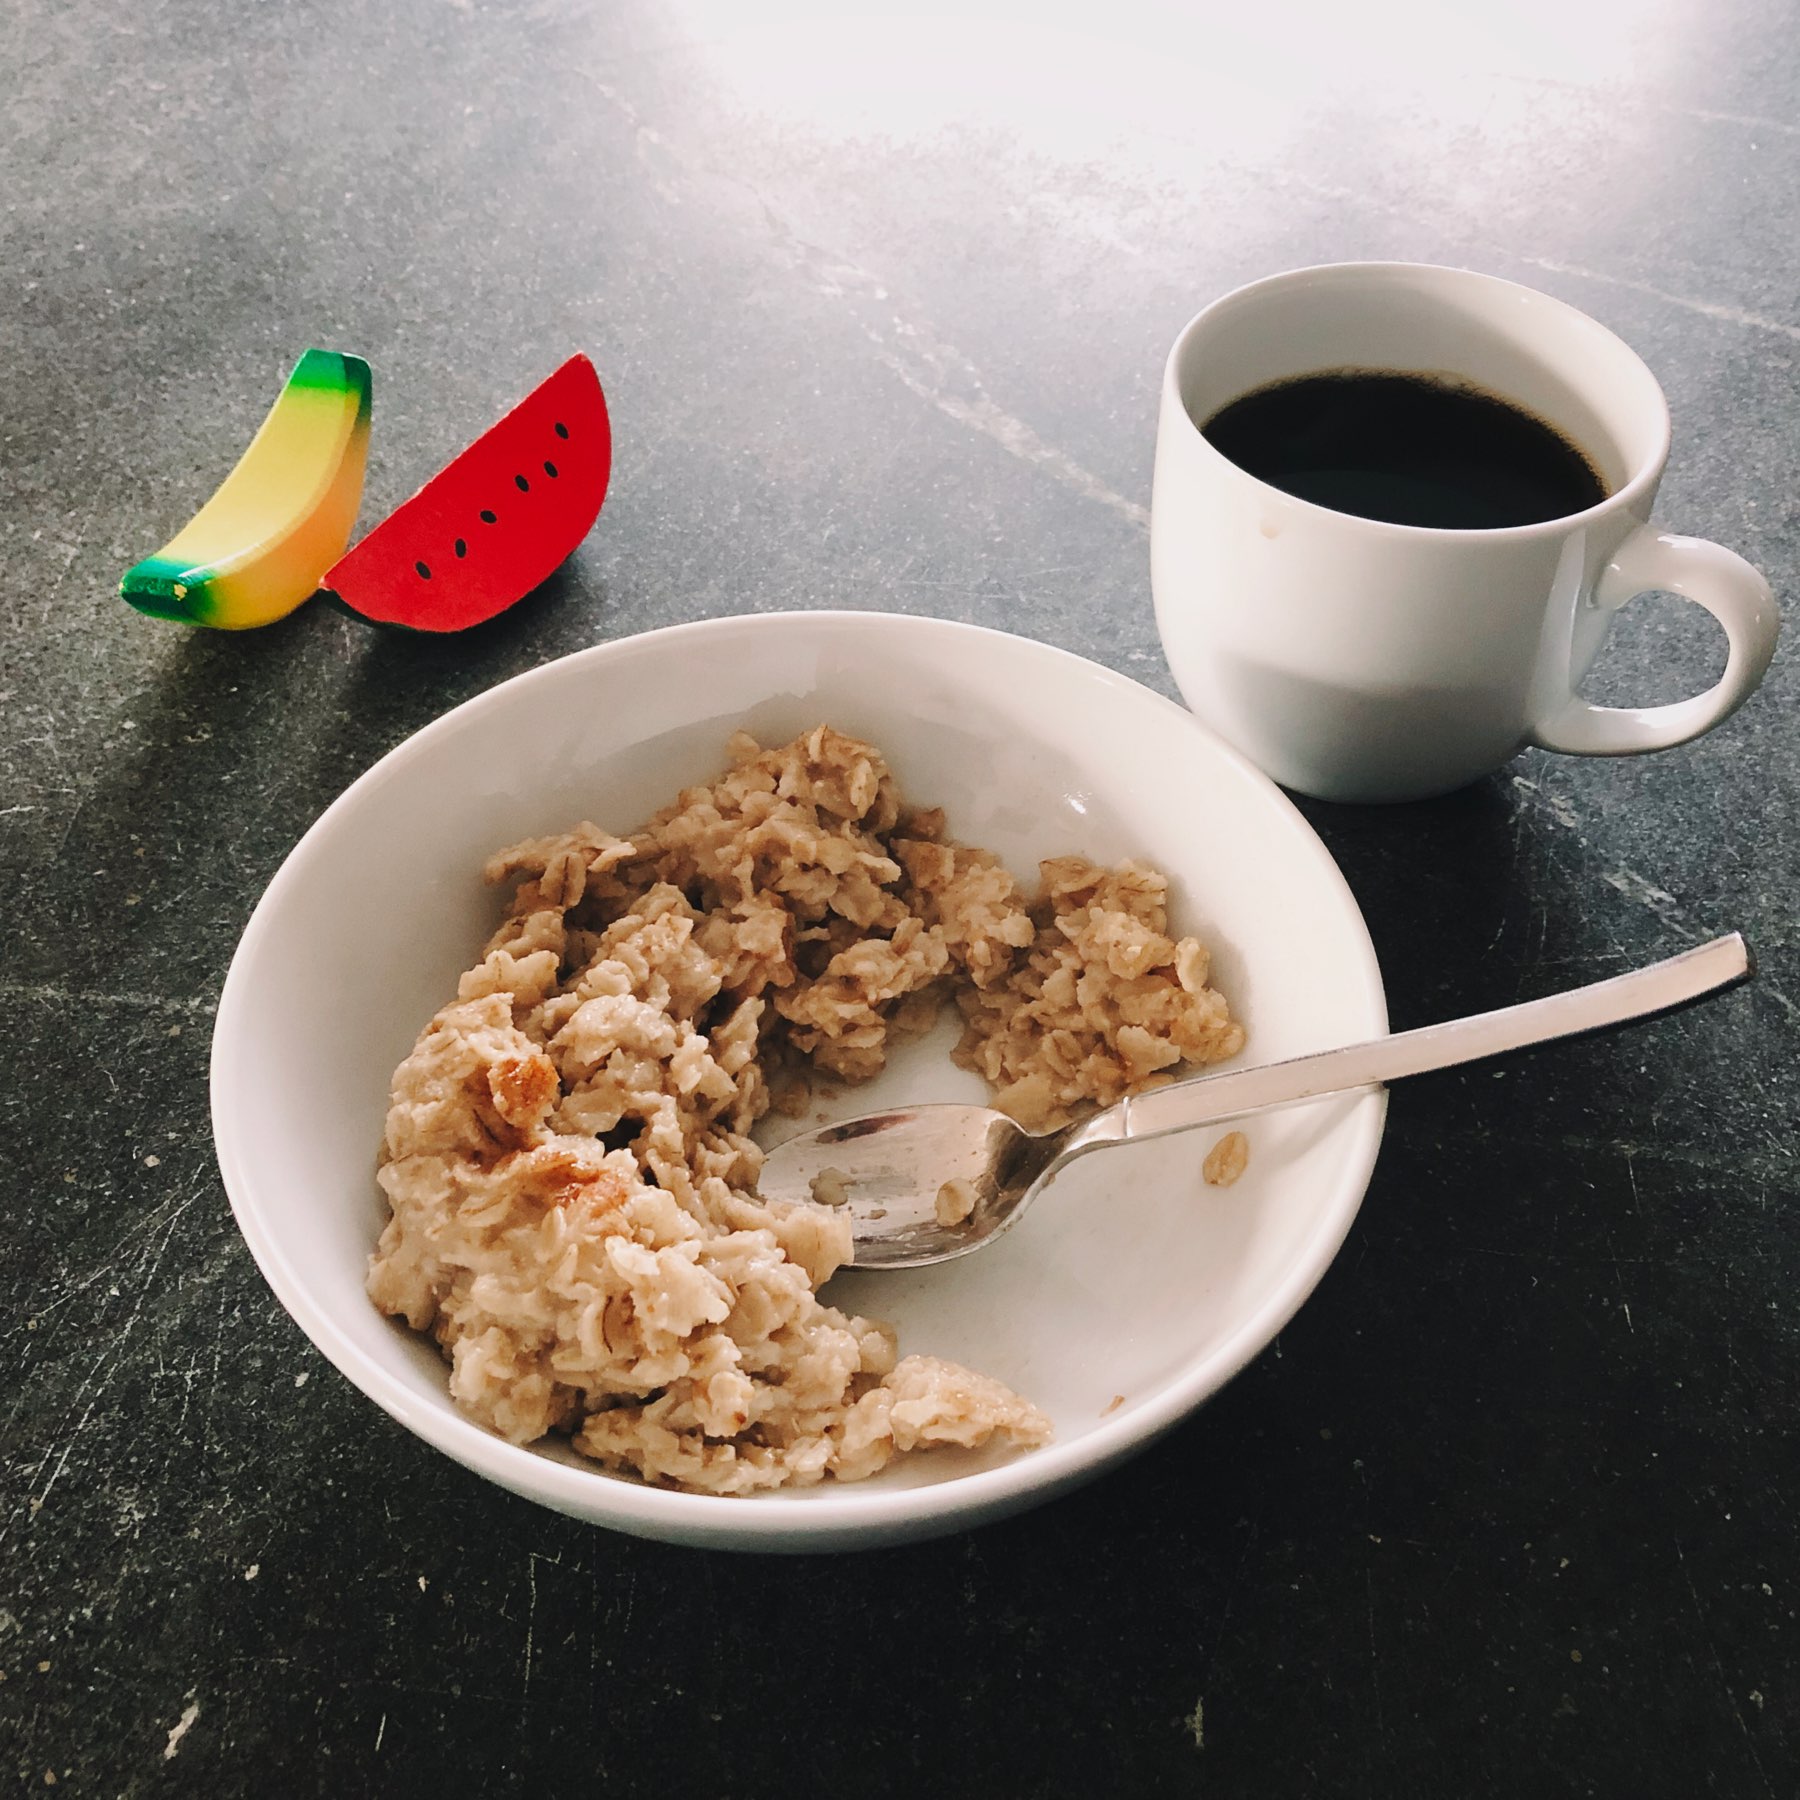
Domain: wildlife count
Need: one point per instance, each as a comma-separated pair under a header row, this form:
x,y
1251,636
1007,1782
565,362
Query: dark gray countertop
x,y
1511,1508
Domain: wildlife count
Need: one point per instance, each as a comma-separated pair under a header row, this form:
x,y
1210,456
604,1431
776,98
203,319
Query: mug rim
x,y
1628,496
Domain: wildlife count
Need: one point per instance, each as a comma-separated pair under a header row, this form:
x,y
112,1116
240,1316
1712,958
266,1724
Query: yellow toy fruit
x,y
281,518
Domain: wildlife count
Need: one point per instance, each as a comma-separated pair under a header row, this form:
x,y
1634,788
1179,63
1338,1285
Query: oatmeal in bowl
x,y
568,1158
577,1292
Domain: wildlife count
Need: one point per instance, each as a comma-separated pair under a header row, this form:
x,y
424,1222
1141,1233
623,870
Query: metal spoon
x,y
889,1166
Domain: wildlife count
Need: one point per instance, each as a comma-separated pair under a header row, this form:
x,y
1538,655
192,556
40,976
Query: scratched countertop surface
x,y
1511,1508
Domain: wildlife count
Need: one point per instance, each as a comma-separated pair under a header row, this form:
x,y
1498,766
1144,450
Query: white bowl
x,y
1130,1293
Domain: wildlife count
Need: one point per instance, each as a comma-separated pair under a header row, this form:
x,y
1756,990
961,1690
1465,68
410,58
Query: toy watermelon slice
x,y
493,524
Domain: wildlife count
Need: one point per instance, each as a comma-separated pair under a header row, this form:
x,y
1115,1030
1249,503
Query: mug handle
x,y
1730,589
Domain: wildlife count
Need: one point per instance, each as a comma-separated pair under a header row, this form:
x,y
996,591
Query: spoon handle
x,y
1659,988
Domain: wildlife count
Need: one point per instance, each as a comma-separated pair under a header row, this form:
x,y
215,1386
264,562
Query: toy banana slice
x,y
281,518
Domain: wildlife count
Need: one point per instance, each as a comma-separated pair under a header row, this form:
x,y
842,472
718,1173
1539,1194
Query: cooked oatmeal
x,y
955,1202
1226,1160
568,1156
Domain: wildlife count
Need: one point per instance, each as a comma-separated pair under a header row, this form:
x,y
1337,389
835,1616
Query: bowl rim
x,y
774,1519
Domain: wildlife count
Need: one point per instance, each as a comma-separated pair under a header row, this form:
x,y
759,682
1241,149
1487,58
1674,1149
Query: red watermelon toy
x,y
493,524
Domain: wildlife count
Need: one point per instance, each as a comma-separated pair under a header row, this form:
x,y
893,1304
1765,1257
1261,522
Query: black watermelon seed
x,y
424,572
522,484
462,549
562,431
550,470
488,518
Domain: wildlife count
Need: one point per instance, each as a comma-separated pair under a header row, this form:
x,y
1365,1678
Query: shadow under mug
x,y
1352,659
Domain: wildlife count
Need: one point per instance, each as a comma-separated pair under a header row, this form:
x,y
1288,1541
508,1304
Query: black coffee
x,y
1410,449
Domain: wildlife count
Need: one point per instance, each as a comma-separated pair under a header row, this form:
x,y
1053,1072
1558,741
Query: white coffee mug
x,y
1358,660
